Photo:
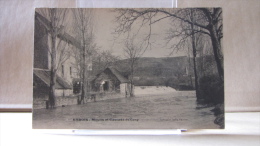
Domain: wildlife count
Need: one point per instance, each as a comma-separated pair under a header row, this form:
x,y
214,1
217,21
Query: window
x,y
77,87
70,71
62,70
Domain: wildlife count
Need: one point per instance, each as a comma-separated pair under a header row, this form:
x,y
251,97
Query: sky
x,y
105,26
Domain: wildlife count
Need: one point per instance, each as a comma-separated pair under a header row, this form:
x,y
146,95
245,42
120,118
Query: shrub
x,y
185,87
211,89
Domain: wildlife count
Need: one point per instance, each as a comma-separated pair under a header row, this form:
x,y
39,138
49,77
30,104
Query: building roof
x,y
118,75
68,38
45,75
63,36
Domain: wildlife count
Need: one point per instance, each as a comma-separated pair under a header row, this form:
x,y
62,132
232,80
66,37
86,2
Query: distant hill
x,y
156,67
166,71
176,72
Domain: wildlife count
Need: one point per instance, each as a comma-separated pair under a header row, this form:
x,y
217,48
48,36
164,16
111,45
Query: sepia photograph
x,y
128,68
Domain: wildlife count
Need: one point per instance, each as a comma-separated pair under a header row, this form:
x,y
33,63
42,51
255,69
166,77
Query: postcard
x,y
128,68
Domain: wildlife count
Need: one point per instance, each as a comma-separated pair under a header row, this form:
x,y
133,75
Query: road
x,y
165,111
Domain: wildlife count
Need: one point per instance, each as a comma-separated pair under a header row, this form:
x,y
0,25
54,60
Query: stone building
x,y
66,69
111,80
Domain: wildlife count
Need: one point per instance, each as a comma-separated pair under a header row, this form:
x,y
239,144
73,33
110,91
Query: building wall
x,y
40,46
62,92
114,84
42,58
124,87
41,93
60,101
65,67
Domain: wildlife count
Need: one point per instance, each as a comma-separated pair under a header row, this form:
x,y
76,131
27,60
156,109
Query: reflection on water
x,y
175,110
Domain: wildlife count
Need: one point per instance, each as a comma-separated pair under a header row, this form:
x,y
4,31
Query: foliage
x,y
211,89
102,60
219,112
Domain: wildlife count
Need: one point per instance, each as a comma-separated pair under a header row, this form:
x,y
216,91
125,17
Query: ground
x,y
170,109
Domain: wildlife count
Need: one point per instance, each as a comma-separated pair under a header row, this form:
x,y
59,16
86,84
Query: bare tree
x,y
209,20
64,52
76,54
103,59
132,52
83,26
195,37
186,35
54,26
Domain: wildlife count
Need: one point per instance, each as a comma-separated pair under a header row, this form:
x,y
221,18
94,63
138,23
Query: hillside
x,y
176,72
156,67
149,71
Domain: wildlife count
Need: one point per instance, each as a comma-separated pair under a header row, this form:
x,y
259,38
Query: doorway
x,y
106,86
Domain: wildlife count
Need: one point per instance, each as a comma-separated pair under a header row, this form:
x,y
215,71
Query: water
x,y
166,111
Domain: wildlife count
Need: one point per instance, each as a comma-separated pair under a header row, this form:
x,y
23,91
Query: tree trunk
x,y
191,83
217,51
83,79
82,94
83,71
52,97
131,79
131,90
194,52
195,72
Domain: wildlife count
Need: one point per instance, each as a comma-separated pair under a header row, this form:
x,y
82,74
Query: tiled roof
x,y
44,76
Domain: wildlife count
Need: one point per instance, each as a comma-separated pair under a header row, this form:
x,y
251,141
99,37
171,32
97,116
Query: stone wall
x,y
104,96
60,101
40,103
62,92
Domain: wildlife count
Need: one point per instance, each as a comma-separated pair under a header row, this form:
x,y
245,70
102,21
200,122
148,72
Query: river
x,y
165,111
